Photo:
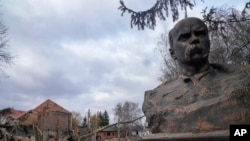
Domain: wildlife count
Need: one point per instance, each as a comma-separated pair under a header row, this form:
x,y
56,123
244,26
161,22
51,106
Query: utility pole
x,y
96,124
118,129
88,120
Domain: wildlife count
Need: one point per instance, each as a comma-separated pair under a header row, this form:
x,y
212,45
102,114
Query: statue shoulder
x,y
236,76
243,73
230,68
165,86
244,69
223,68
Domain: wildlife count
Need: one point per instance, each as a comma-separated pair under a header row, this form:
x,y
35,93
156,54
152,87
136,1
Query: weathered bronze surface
x,y
205,97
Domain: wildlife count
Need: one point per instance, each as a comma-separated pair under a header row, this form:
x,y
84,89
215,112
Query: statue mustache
x,y
194,49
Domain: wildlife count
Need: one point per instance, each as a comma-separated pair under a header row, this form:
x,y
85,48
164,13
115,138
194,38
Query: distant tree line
x,y
127,116
99,119
92,121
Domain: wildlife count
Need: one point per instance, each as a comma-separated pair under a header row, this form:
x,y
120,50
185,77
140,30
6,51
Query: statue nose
x,y
194,40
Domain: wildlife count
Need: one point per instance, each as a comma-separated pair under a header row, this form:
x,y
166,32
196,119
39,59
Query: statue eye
x,y
184,37
200,33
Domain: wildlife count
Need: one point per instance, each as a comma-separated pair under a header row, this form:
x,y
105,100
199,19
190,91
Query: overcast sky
x,y
82,54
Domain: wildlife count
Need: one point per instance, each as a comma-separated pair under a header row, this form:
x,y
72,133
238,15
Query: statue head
x,y
189,42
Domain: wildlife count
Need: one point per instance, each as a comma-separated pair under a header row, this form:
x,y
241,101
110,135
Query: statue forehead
x,y
188,24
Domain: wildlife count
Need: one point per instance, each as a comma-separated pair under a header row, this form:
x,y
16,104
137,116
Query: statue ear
x,y
172,53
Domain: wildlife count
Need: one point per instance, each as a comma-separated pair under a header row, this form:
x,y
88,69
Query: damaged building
x,y
47,122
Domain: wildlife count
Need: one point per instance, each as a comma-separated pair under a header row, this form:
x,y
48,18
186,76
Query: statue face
x,y
190,41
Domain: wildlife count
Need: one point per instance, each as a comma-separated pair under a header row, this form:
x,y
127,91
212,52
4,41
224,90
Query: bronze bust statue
x,y
205,97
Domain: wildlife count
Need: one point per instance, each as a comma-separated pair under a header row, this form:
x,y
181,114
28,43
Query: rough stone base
x,y
210,136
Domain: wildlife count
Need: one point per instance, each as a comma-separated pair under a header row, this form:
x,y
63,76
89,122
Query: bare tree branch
x,y
5,57
216,23
229,30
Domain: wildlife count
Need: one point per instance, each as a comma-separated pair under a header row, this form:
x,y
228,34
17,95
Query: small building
x,y
115,133
136,131
108,133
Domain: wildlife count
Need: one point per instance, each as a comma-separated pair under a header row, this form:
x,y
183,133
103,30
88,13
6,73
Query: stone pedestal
x,y
222,135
